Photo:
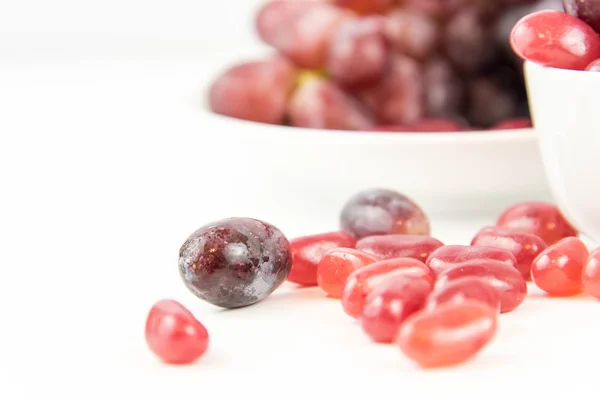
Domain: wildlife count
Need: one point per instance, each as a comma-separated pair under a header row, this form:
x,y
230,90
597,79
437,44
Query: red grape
x,y
358,52
337,265
447,257
444,89
591,275
555,39
365,6
398,97
411,32
321,104
586,10
255,91
594,66
300,29
464,289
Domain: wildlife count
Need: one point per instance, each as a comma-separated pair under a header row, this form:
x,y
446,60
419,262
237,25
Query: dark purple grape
x,y
382,212
586,10
235,262
493,97
444,90
468,40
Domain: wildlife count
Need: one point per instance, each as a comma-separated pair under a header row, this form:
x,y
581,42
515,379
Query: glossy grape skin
x,y
591,275
337,265
449,334
386,247
586,10
382,212
300,29
464,289
321,104
411,32
541,219
524,245
447,257
358,52
508,281
390,303
555,39
397,98
235,262
444,90
558,269
307,252
254,91
365,7
361,282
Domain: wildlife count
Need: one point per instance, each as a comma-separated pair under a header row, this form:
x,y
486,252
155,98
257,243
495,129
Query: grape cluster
x,y
382,65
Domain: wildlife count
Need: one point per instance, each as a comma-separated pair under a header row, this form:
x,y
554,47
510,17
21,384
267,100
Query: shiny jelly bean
x,y
386,247
510,284
450,334
390,303
336,266
360,283
174,335
524,246
591,275
307,252
448,256
558,269
469,288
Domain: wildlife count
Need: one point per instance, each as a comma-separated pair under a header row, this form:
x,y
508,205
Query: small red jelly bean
x,y
390,303
510,284
447,257
464,289
524,246
558,269
337,265
174,335
591,275
555,39
307,252
541,219
360,283
450,334
386,247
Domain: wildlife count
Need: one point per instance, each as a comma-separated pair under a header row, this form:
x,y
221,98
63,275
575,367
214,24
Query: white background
x,y
105,170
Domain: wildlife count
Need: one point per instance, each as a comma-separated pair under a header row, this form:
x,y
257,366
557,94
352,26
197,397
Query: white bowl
x,y
564,105
449,174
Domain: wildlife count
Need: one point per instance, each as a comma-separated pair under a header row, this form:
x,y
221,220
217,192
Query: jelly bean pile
x,y
382,66
439,304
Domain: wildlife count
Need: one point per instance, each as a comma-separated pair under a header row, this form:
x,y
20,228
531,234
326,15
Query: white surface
x,y
566,114
104,173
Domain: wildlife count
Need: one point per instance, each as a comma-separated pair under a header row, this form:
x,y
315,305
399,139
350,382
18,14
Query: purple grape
x,y
444,90
235,262
586,10
382,212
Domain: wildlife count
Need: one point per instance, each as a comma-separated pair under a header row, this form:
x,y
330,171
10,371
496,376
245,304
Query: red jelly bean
x,y
390,303
447,257
524,246
510,284
464,289
594,66
591,275
360,283
555,39
307,252
558,269
174,335
386,247
542,219
336,266
450,334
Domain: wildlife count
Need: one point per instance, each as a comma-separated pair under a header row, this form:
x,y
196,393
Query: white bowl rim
x,y
570,73
276,132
